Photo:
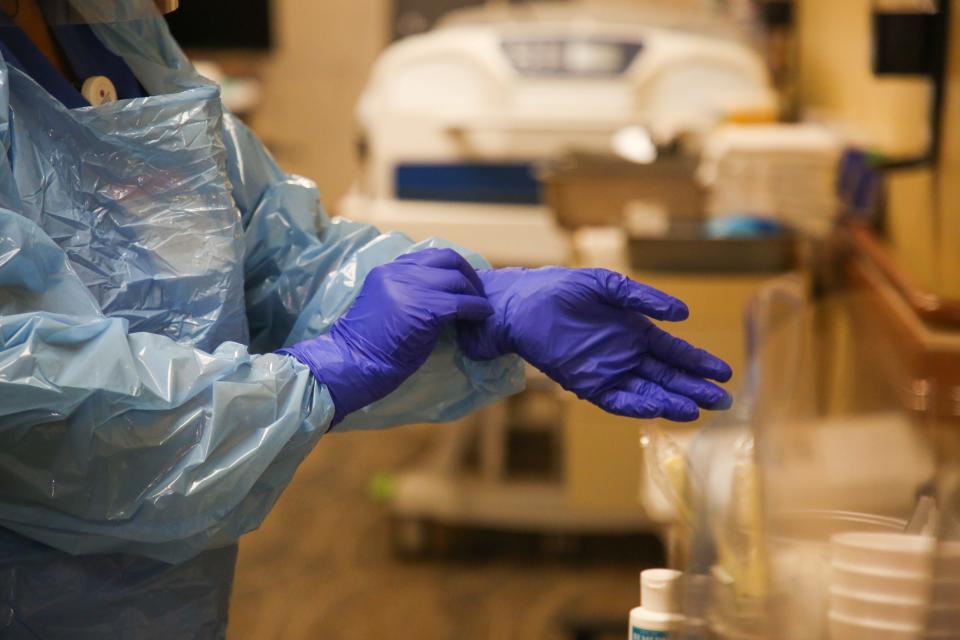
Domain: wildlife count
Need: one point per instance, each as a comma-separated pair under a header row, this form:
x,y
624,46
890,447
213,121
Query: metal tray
x,y
684,253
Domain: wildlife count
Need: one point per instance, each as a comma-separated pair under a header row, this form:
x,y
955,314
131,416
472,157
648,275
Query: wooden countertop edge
x,y
932,308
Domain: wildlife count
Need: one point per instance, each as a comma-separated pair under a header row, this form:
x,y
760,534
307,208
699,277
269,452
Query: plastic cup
x,y
893,552
891,584
799,544
897,598
846,628
865,606
897,552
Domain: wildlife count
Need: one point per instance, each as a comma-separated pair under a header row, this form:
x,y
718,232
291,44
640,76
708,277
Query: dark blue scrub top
x,y
84,52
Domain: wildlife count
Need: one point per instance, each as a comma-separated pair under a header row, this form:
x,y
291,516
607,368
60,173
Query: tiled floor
x,y
321,567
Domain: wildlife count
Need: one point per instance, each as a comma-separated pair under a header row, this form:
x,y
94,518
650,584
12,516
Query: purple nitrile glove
x,y
590,330
392,327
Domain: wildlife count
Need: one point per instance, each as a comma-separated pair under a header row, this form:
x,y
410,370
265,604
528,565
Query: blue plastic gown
x,y
148,250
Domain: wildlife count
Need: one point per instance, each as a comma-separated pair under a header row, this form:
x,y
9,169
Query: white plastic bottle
x,y
659,616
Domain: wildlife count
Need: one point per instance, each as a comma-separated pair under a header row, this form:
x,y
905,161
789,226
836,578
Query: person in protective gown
x,y
181,323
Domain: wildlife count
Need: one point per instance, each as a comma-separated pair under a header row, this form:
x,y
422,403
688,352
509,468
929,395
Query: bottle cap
x,y
99,90
660,590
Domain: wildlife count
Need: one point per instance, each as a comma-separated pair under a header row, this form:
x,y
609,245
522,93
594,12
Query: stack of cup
x,y
894,586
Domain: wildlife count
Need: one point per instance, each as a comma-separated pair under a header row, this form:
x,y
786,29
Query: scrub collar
x,y
85,53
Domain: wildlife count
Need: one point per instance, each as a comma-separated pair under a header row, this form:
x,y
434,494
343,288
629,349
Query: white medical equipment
x,y
457,120
457,125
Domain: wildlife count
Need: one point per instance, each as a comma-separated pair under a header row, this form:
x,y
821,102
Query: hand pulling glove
x,y
393,326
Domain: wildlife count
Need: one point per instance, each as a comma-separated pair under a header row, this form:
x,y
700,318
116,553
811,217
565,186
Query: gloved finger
x,y
648,401
620,291
706,394
683,355
449,307
445,259
450,282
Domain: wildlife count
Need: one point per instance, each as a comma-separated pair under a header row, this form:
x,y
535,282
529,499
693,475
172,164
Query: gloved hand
x,y
393,326
588,330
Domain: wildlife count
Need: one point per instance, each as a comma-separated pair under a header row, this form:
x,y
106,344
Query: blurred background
x,y
788,167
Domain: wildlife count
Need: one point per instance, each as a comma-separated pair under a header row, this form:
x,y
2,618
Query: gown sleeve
x,y
119,441
303,270
112,441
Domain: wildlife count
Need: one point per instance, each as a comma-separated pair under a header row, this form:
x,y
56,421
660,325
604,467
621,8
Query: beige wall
x,y
949,175
312,82
912,223
889,114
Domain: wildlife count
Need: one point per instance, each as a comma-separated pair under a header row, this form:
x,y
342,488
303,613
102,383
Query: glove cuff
x,y
329,367
491,338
